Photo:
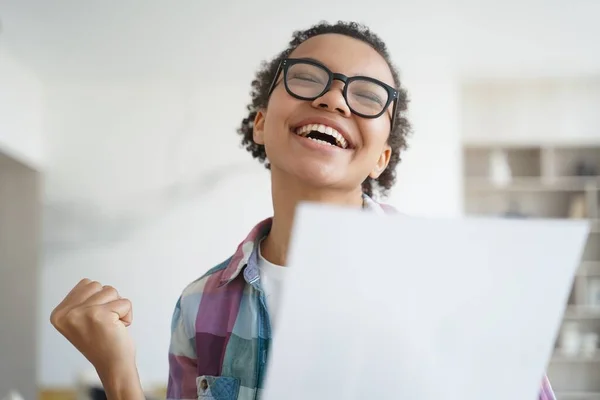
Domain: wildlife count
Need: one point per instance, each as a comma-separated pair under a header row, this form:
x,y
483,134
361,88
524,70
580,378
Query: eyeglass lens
x,y
309,81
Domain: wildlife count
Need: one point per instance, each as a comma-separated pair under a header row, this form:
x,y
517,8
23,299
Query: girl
x,y
328,119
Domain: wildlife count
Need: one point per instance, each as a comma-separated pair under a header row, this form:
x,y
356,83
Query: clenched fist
x,y
94,318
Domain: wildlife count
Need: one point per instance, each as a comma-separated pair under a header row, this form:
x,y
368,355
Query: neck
x,y
286,194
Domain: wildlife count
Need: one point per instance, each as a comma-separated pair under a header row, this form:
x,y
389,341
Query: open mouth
x,y
322,134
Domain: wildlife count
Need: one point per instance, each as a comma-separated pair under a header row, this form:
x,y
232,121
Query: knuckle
x,y
126,302
68,322
96,316
54,317
110,290
95,284
58,317
92,287
82,316
73,315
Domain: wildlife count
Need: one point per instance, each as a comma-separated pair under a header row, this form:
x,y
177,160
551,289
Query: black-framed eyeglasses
x,y
306,79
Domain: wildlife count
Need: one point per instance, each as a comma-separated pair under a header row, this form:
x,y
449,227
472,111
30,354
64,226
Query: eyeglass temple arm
x,y
394,113
275,78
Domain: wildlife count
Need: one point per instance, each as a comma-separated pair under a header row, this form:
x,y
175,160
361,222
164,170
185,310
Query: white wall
x,y
21,110
150,190
553,111
151,266
131,197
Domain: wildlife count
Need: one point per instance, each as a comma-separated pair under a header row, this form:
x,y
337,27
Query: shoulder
x,y
183,322
198,286
373,205
226,271
388,209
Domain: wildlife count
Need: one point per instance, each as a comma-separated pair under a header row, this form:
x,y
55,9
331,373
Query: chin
x,y
320,176
311,171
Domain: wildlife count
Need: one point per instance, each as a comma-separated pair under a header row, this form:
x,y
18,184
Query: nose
x,y
333,100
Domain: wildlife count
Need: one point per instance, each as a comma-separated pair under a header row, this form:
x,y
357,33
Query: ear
x,y
259,127
382,162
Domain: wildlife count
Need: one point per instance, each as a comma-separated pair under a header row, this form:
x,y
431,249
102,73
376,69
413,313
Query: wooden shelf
x,y
577,395
558,358
487,143
578,312
589,268
535,184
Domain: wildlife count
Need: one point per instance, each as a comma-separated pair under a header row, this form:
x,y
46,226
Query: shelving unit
x,y
544,184
547,132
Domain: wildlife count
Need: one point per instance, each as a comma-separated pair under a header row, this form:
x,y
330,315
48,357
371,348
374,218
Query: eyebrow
x,y
311,59
323,64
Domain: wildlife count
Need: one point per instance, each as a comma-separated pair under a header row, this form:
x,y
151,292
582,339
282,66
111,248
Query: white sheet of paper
x,y
393,307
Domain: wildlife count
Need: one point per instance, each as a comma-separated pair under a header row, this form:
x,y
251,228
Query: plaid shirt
x,y
221,331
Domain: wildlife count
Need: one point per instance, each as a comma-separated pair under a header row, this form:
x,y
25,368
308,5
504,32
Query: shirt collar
x,y
246,256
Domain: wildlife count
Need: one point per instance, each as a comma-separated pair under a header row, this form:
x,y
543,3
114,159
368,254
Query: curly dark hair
x,y
265,75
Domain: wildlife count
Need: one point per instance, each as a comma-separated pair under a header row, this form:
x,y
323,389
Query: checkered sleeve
x,y
546,393
182,358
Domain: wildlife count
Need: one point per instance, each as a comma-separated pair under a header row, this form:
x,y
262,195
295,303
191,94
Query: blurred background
x,y
119,159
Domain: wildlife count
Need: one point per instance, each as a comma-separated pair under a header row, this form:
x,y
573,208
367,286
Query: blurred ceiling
x,y
132,39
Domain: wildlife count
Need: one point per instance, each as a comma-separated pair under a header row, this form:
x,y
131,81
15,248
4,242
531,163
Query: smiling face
x,y
285,127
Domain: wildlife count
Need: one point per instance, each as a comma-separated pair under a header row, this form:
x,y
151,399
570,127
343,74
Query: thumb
x,y
123,309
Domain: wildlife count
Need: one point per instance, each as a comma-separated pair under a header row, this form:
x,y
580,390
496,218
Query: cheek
x,y
375,133
279,110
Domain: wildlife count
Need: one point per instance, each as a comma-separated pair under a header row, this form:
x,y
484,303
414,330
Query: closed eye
x,y
306,78
370,97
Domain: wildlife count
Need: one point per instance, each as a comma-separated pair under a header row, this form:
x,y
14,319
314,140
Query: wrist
x,y
122,383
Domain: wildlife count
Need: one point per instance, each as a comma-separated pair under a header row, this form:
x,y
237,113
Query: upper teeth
x,y
304,130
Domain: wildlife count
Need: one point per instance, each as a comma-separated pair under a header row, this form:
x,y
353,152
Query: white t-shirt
x,y
271,281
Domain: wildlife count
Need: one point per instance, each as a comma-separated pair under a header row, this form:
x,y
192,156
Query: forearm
x,y
122,385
